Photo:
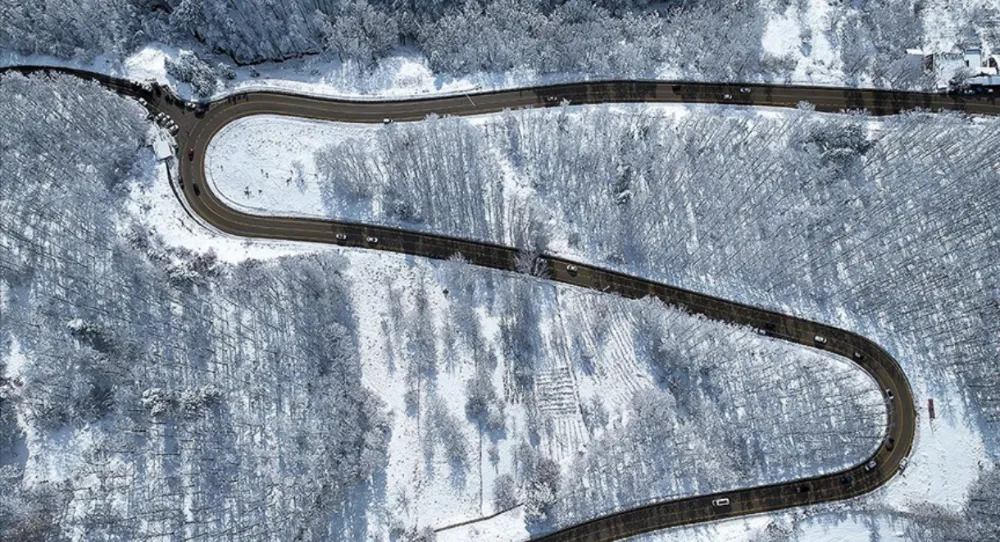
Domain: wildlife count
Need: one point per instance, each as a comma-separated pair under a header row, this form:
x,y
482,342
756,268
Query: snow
x,y
781,37
153,203
947,455
251,163
793,525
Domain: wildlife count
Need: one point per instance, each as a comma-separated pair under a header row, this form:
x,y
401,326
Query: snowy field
x,y
530,168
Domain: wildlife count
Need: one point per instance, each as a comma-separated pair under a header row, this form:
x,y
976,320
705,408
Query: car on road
x,y
858,355
190,154
371,240
902,463
386,120
745,90
720,502
572,269
804,488
890,443
552,99
143,102
197,190
888,394
727,97
846,480
819,339
871,466
341,236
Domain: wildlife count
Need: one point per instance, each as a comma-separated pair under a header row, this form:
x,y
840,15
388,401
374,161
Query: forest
x,y
855,221
147,390
701,39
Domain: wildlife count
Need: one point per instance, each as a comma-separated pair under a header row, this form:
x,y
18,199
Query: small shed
x,y
973,58
163,147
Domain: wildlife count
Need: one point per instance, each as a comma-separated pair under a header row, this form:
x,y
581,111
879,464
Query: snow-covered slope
x,y
348,394
882,226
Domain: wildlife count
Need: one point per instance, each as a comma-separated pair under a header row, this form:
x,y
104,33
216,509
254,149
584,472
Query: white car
x,y
727,97
341,237
722,501
372,240
819,339
745,90
902,464
386,120
871,466
572,269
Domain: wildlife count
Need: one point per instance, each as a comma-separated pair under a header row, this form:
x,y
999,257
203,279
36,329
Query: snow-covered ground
x,y
388,292
950,451
414,313
806,34
206,352
242,165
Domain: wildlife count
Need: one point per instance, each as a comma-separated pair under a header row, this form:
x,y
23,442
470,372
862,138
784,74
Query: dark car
x,y
890,443
846,480
802,489
190,154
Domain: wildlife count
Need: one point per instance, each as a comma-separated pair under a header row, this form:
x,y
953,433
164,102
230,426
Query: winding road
x,y
198,127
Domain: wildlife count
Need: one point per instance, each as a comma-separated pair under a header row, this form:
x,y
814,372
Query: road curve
x,y
197,128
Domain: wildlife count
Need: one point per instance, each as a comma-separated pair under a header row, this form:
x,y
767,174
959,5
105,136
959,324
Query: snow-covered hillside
x,y
149,389
882,226
382,47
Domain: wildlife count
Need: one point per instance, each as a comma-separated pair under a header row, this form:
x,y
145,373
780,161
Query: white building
x,y
163,145
973,58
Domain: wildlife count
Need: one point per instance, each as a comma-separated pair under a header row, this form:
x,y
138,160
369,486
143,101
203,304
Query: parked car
x,y
386,120
552,99
819,339
871,466
745,90
902,464
727,97
721,501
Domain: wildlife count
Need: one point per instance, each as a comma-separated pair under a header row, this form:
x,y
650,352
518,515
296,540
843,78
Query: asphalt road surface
x,y
199,124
